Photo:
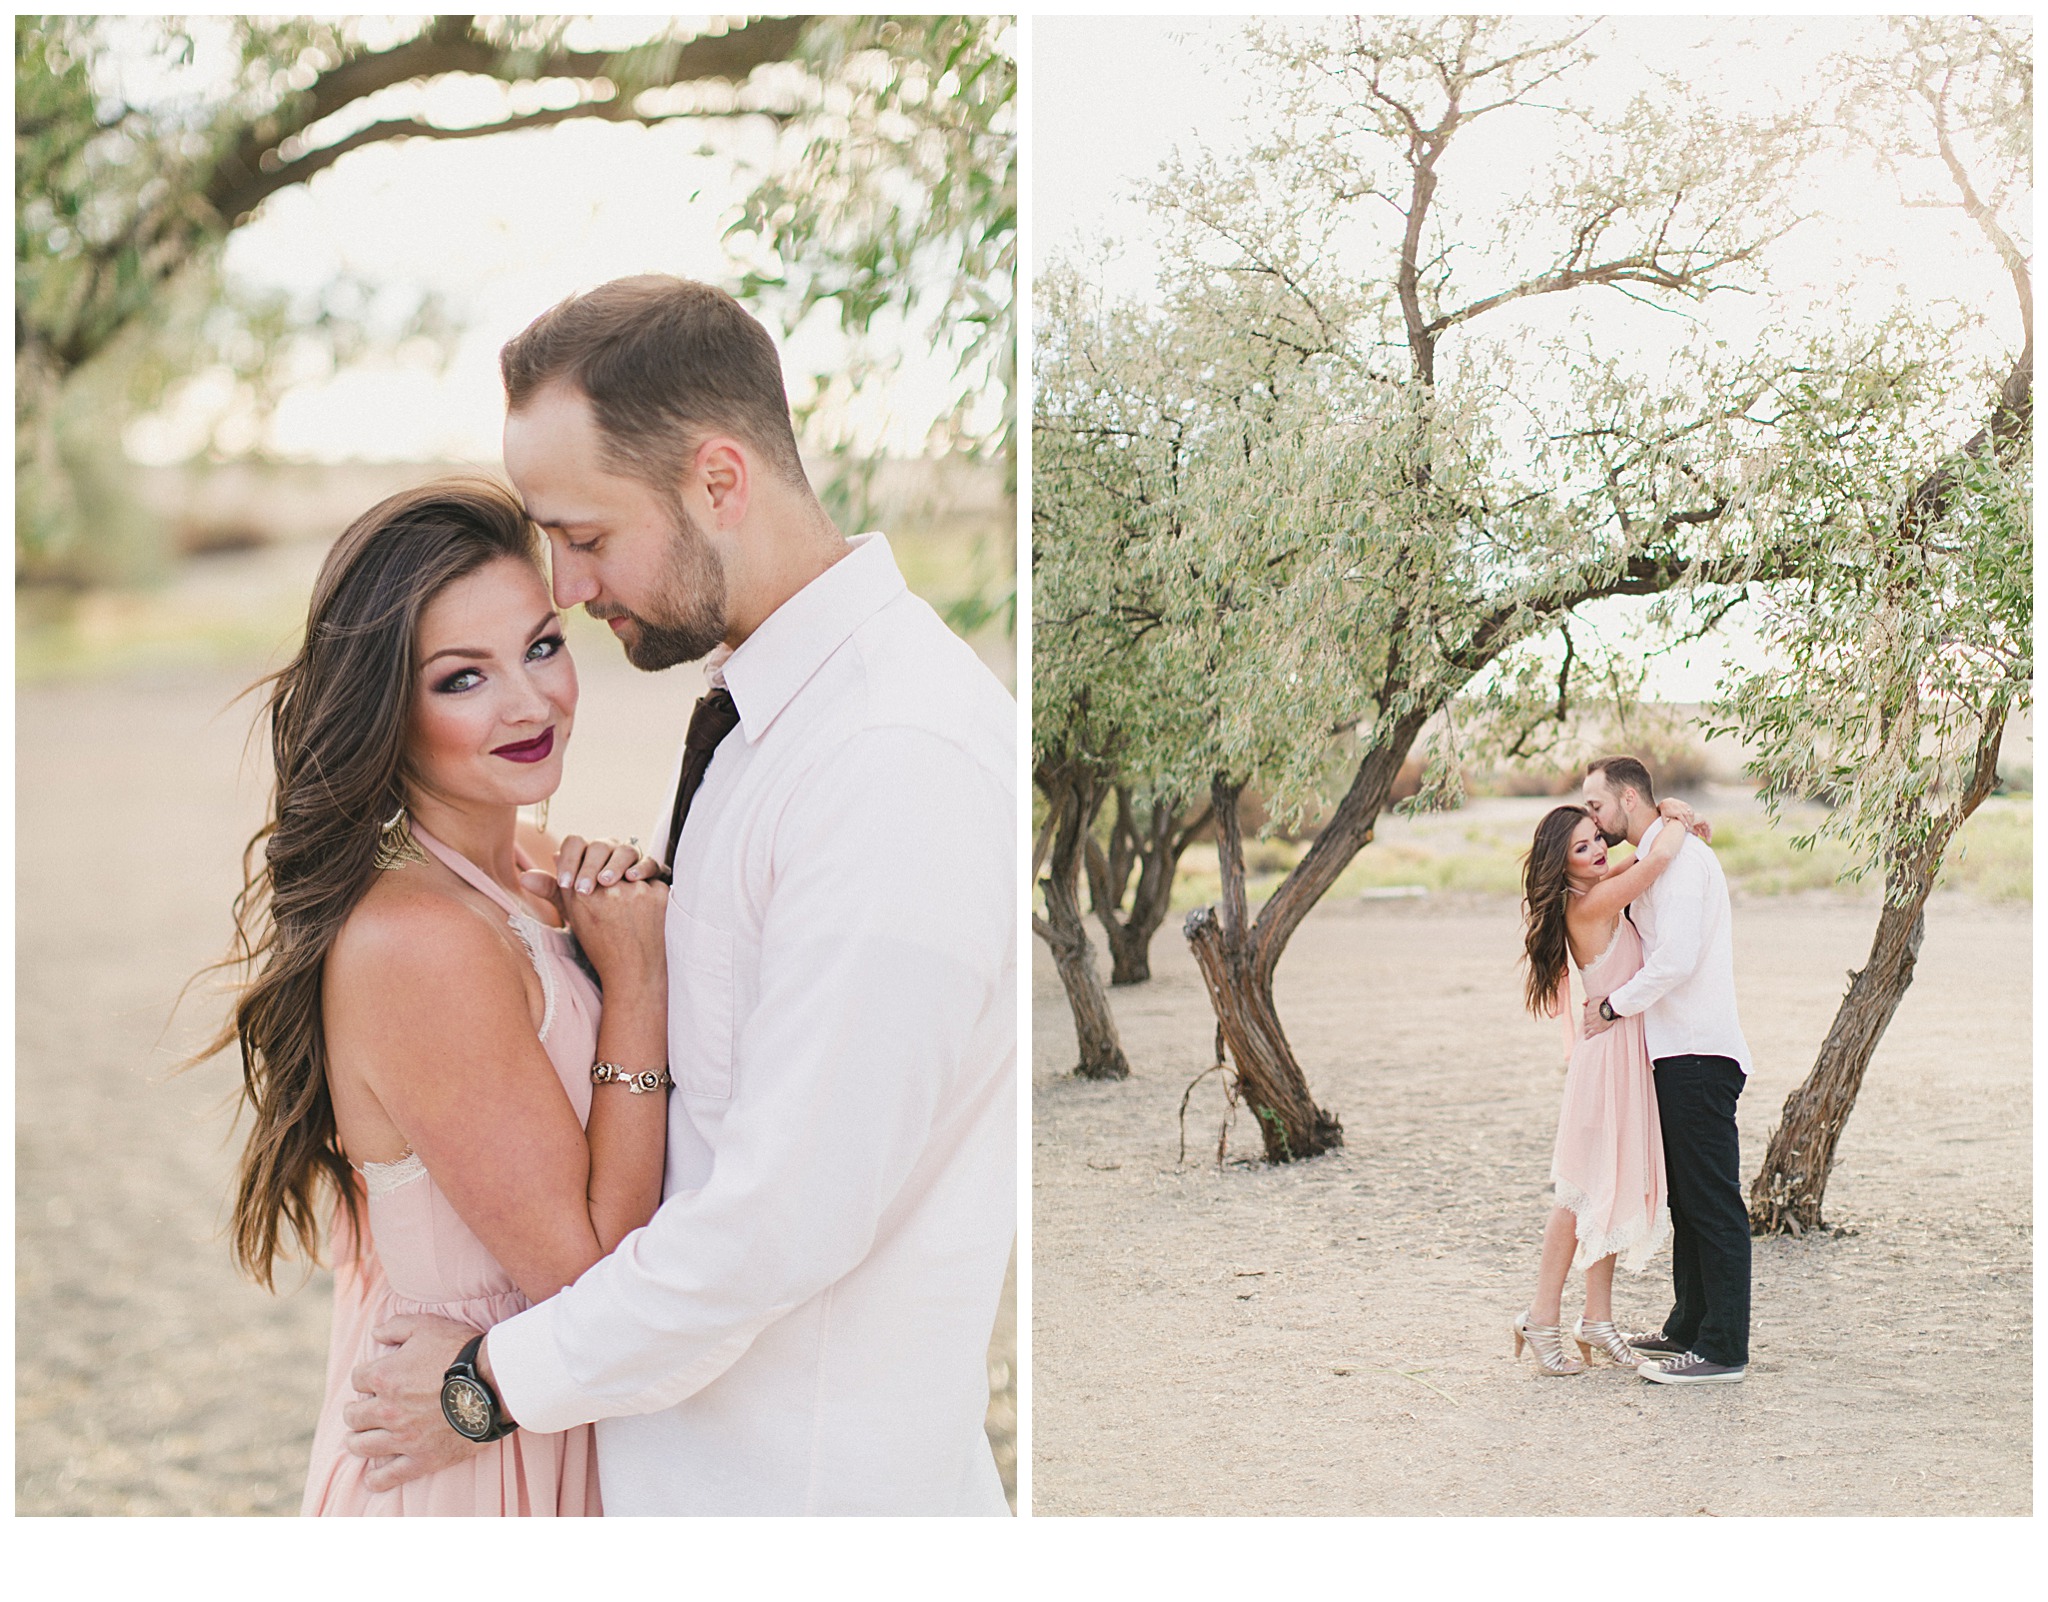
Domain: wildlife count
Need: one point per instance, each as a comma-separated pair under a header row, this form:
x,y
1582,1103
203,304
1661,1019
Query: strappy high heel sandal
x,y
1601,1335
1547,1342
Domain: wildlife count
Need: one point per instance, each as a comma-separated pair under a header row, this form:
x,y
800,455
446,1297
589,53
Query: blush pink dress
x,y
422,1258
1608,1165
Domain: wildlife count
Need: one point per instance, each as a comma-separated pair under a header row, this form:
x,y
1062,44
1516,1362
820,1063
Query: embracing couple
x,y
677,1181
1646,1142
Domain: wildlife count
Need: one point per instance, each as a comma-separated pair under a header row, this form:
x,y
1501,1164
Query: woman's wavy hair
x,y
1544,896
338,714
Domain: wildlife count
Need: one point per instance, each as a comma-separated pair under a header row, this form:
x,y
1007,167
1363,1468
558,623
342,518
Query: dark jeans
x,y
1709,1221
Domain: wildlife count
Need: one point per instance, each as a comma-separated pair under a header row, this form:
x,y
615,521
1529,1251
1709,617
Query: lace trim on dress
x,y
529,930
380,1179
1634,1246
1612,941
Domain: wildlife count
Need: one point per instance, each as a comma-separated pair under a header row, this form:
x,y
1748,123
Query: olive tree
x,y
1394,490
1101,446
1110,436
1902,640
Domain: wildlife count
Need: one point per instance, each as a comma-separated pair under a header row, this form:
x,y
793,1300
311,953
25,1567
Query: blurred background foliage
x,y
902,197
143,143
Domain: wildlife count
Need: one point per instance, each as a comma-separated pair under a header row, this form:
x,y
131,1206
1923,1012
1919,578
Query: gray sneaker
x,y
1692,1369
1656,1343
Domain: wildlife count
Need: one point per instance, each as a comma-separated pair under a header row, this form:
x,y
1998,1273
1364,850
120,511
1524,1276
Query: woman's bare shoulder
x,y
417,966
1589,928
407,922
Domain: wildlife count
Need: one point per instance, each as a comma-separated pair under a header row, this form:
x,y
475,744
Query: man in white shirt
x,y
803,1326
1686,994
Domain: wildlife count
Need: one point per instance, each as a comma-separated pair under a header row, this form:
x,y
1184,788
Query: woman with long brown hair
x,y
436,1092
1608,1163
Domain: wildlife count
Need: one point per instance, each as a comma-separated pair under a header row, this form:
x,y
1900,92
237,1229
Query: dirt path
x,y
1332,1338
149,1379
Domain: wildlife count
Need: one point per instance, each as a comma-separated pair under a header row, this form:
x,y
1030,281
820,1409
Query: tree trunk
x,y
1269,1080
1153,844
1075,799
1102,1053
1786,1196
1130,947
1238,958
1348,832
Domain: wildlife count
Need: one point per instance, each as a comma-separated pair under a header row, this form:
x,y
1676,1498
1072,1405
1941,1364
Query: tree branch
x,y
247,174
1982,215
303,168
1637,269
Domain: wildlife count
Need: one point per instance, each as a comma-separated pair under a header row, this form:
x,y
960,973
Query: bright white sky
x,y
1114,97
503,228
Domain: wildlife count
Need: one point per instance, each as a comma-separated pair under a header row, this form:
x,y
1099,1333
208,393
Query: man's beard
x,y
1611,840
692,601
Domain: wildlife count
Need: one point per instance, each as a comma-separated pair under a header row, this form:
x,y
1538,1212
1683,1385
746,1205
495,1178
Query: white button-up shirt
x,y
803,1327
1686,987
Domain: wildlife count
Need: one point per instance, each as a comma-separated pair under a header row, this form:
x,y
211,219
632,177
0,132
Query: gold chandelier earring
x,y
395,844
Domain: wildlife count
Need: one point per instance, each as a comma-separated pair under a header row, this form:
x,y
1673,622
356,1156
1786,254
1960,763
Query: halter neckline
x,y
477,879
524,924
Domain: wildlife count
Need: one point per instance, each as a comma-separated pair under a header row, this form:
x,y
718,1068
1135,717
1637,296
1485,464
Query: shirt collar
x,y
792,642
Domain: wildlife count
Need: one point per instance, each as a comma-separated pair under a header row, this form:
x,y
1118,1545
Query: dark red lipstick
x,y
533,750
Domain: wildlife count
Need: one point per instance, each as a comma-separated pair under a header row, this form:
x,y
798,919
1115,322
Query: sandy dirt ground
x,y
1332,1337
149,1379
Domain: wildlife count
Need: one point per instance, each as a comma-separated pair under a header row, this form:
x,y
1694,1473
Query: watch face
x,y
468,1407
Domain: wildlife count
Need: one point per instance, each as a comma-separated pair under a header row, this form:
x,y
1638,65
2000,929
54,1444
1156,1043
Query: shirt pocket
x,y
700,1004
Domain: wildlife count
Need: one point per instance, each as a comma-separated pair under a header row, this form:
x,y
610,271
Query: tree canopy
x,y
898,187
896,205
902,198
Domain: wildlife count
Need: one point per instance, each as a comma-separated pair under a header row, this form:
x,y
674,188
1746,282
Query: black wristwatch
x,y
1606,1011
466,1400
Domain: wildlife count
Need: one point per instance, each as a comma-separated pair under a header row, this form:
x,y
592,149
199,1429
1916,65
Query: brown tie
x,y
714,719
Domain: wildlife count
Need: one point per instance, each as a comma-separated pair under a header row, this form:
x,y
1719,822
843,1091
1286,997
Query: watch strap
x,y
464,1384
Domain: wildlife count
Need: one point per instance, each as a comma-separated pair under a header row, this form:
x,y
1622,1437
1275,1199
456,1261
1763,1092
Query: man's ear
x,y
726,476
